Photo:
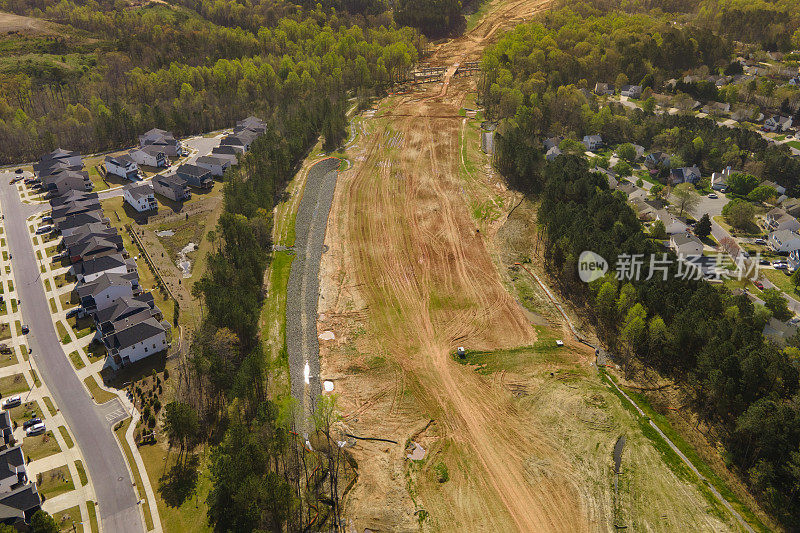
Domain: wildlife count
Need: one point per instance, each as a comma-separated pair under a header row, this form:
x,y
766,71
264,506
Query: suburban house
x,y
150,156
74,223
552,142
602,89
716,108
164,140
792,206
136,342
684,175
18,506
778,219
6,430
88,271
217,165
251,123
123,313
778,332
92,248
101,293
74,196
777,123
719,180
631,91
76,207
171,187
58,158
778,188
784,241
123,166
592,142
686,245
88,231
141,197
196,176
243,138
639,149
67,180
672,223
12,469
552,153
644,209
228,150
656,160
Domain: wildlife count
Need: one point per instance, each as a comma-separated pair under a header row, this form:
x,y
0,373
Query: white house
x,y
141,197
150,155
686,245
162,139
552,153
778,219
136,342
217,165
102,292
719,180
777,123
784,241
592,142
123,166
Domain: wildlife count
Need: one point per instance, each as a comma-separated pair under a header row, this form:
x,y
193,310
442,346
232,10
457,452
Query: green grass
x,y
92,516
487,362
120,431
8,359
46,281
100,395
5,331
63,334
50,407
36,382
67,438
13,384
53,306
24,350
26,411
781,280
40,446
81,473
55,481
69,517
677,464
77,360
794,144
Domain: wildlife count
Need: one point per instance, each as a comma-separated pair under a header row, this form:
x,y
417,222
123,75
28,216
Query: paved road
x,y
303,287
117,503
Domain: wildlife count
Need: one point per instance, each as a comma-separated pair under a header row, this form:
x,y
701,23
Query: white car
x,y
12,401
36,429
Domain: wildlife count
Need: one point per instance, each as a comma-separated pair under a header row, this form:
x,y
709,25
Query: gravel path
x,y
303,287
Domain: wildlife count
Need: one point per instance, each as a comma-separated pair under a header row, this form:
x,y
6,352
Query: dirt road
x,y
429,284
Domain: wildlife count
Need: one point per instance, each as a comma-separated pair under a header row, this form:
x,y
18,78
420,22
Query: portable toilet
x,y
461,352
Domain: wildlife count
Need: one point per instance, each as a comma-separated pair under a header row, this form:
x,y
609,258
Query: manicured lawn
x,y
81,326
781,280
69,519
8,359
62,333
50,407
120,431
99,395
5,331
13,384
794,144
67,438
92,516
25,411
77,360
95,351
36,382
81,472
54,482
67,301
40,446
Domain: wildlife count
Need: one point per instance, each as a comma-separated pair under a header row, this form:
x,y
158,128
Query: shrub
x,y
442,474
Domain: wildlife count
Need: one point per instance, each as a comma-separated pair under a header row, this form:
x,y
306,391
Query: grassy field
x,y
65,435
100,395
120,433
50,407
92,516
55,481
40,446
25,411
77,360
13,384
69,520
81,472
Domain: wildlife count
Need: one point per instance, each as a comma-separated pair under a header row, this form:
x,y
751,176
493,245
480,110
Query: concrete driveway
x,y
117,501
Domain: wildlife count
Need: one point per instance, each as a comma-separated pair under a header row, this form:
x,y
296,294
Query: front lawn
x,y
55,481
40,446
13,384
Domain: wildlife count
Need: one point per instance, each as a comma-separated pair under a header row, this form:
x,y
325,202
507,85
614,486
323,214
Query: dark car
x,y
25,329
18,171
759,285
73,312
32,421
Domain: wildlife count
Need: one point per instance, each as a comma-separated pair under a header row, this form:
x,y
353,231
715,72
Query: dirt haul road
x,y
428,284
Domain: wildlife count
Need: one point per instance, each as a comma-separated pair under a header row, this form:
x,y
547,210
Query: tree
x,y
621,80
741,184
777,304
635,325
41,522
686,196
627,152
795,278
703,227
649,105
181,424
623,169
432,17
739,213
762,193
658,230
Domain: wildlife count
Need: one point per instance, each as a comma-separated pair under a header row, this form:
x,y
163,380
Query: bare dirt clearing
x,y
412,273
27,25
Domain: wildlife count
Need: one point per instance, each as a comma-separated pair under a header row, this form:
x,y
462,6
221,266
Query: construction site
x,y
426,251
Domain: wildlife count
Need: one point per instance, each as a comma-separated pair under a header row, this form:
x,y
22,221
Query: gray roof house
x,y
122,314
217,165
72,224
172,187
684,175
686,245
631,91
592,142
136,342
73,196
196,176
164,140
93,247
251,123
19,505
101,293
88,271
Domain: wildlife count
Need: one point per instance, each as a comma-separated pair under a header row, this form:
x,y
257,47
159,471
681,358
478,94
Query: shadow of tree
x,y
179,484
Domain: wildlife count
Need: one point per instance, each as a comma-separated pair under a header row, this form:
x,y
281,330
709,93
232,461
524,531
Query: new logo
x,y
591,266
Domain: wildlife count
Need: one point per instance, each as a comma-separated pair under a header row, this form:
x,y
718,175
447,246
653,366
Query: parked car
x,y
25,329
760,241
47,218
35,429
763,262
18,171
31,422
44,229
12,401
73,312
713,196
759,285
781,266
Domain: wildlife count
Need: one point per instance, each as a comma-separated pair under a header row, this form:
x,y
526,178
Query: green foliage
x,y
686,197
658,230
623,169
739,213
442,473
627,152
41,522
777,304
433,17
762,193
742,184
703,227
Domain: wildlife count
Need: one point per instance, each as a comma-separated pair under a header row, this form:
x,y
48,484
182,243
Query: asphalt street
x,y
117,502
302,295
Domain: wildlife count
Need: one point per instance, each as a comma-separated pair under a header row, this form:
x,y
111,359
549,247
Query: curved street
x,y
116,500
